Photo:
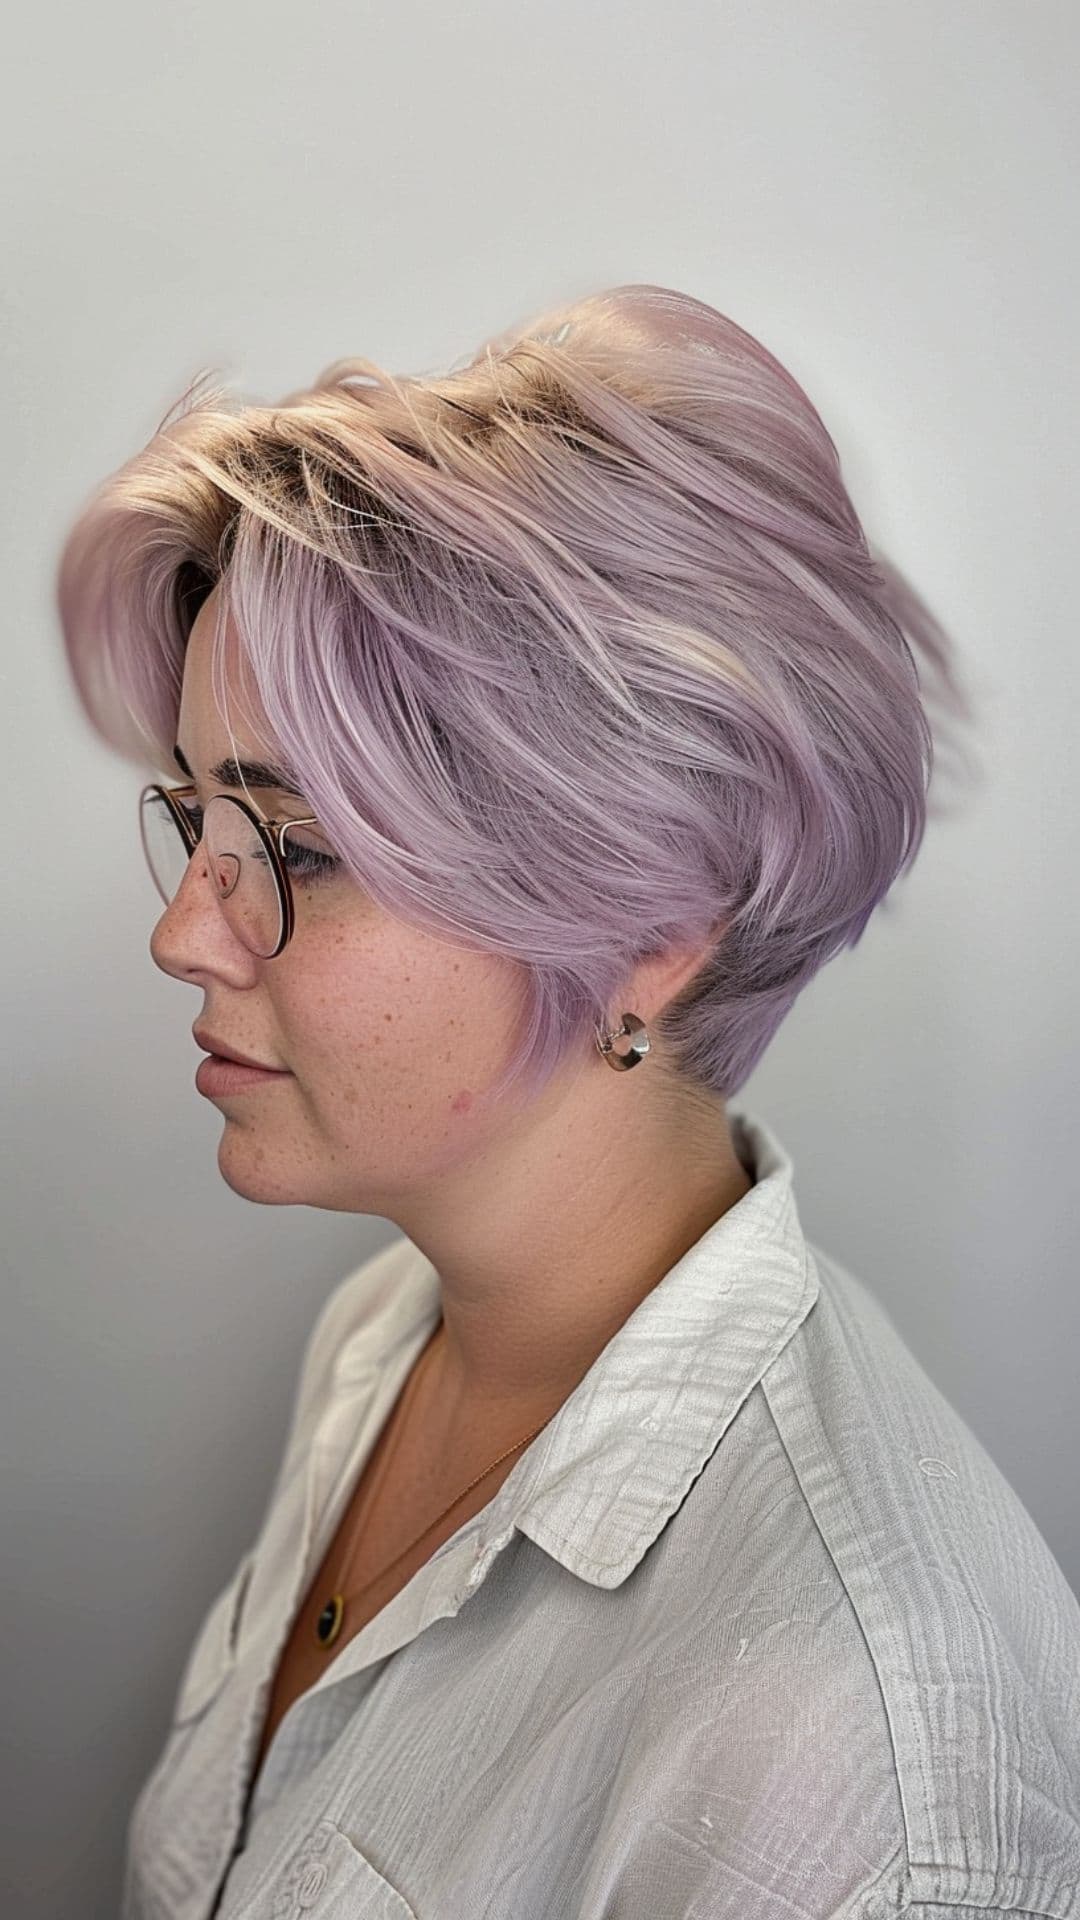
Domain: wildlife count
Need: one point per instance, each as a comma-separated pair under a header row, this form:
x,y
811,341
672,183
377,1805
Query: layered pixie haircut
x,y
577,652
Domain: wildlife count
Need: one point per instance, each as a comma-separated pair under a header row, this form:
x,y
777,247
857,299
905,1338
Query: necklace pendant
x,y
328,1625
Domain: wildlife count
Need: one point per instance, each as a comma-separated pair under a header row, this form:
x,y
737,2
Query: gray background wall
x,y
881,194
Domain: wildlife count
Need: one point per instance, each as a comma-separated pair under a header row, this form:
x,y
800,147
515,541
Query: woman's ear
x,y
661,977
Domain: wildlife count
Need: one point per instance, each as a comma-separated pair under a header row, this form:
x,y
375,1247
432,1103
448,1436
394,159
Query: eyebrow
x,y
257,773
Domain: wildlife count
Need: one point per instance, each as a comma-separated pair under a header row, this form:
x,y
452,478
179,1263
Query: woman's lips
x,y
216,1075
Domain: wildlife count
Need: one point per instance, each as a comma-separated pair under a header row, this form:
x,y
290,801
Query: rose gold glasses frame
x,y
271,833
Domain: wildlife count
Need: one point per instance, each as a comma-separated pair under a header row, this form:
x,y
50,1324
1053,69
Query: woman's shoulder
x,y
859,1645
970,1625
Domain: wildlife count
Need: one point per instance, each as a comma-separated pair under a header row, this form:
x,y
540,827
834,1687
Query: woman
x,y
541,729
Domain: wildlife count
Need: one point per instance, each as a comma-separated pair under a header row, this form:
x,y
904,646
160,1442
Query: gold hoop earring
x,y
639,1043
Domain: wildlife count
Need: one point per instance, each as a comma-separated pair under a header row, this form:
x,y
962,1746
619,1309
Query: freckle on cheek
x,y
462,1101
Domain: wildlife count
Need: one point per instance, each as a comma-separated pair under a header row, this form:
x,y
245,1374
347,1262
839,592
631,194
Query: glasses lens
x,y
239,862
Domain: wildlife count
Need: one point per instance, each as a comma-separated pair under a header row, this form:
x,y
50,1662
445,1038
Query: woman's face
x,y
386,1033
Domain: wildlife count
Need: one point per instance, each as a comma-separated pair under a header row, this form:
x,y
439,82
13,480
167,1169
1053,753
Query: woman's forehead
x,y
251,737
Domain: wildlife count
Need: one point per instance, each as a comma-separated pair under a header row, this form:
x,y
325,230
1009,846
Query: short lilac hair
x,y
577,652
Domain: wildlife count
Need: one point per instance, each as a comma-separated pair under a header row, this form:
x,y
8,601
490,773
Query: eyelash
x,y
303,863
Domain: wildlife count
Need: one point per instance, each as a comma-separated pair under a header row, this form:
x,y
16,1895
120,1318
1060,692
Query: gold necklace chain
x,y
331,1619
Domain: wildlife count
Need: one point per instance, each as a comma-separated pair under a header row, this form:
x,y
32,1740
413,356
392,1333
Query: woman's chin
x,y
249,1174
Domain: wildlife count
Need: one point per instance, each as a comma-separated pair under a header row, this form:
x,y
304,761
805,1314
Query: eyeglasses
x,y
251,865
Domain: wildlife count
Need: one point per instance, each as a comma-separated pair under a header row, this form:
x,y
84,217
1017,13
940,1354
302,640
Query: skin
x,y
547,1225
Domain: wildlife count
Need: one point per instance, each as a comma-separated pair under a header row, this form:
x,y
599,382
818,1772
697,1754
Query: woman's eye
x,y
306,862
303,862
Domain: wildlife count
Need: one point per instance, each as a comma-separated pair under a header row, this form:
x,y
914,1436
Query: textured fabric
x,y
754,1630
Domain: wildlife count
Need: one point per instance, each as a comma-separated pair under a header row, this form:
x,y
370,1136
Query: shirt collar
x,y
606,1474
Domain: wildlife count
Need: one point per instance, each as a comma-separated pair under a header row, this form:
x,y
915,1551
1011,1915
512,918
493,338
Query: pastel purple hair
x,y
577,652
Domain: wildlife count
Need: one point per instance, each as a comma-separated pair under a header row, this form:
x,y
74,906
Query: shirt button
x,y
311,1885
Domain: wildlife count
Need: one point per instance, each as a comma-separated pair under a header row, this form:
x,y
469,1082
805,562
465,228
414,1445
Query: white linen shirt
x,y
754,1630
